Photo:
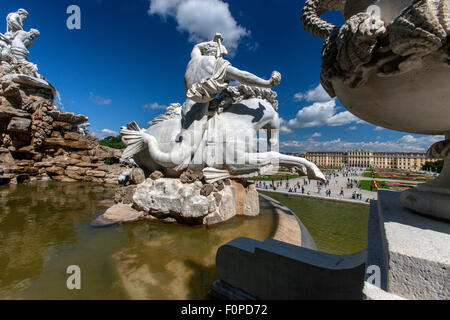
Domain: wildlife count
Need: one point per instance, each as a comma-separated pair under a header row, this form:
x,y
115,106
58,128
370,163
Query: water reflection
x,y
44,228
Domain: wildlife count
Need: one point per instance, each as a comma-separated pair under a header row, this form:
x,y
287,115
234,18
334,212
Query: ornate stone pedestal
x,y
410,250
433,198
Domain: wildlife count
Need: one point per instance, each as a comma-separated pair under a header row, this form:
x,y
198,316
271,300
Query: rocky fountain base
x,y
39,142
186,200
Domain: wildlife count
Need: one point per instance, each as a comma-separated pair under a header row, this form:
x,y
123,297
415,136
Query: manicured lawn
x,y
397,174
365,184
368,174
400,185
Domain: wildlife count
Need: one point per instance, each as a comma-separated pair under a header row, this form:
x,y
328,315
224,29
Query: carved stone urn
x,y
389,64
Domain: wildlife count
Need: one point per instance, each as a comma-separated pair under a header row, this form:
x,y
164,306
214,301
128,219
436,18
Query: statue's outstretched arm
x,y
250,79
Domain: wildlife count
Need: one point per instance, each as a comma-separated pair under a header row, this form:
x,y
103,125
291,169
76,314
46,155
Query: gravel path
x,y
337,182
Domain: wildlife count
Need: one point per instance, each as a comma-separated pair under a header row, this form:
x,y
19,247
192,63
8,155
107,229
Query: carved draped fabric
x,y
208,89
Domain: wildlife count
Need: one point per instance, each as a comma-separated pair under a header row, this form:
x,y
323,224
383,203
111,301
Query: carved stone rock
x,y
193,203
19,125
156,175
125,194
118,213
137,176
206,190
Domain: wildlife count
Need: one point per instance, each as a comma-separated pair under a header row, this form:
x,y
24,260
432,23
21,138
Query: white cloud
x,y
322,114
407,143
284,129
201,19
378,128
318,94
102,134
343,118
352,128
155,106
164,7
99,100
315,135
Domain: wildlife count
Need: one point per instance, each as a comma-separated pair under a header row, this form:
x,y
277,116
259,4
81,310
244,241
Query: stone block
x,y
412,251
19,125
137,176
9,112
72,144
73,174
274,270
61,125
73,136
96,173
117,214
156,175
125,194
170,197
55,171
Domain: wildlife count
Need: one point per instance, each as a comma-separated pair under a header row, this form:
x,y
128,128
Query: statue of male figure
x,y
208,73
15,20
21,42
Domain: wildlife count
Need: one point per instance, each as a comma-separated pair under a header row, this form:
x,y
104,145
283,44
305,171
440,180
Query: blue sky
x,y
128,61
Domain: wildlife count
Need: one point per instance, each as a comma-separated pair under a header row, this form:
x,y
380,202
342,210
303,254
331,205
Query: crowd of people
x,y
305,187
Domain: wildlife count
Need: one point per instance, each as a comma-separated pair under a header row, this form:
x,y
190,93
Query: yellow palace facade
x,y
362,158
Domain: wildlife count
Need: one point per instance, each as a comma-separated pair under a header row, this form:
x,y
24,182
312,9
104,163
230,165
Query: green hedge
x,y
433,166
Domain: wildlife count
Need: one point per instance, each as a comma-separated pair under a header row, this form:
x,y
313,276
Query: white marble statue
x,y
19,48
83,128
213,134
14,45
15,20
5,49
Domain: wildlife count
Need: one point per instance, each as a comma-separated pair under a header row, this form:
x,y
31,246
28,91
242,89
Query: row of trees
x,y
435,166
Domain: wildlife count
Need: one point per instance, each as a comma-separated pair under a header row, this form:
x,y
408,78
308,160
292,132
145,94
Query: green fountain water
x,y
44,228
337,227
